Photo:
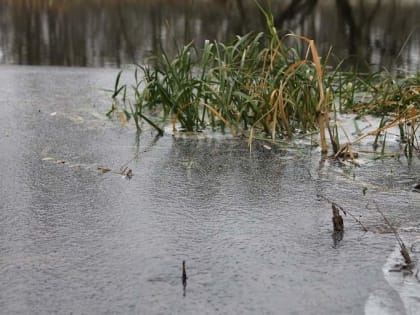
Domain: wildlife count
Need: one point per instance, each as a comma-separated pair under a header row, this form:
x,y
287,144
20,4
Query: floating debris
x,y
104,169
346,153
416,188
405,254
129,174
47,159
125,172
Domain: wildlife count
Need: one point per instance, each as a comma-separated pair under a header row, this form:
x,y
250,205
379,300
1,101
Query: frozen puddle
x,y
405,296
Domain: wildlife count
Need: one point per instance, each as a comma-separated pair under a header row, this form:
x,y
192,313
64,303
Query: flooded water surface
x,y
255,236
112,33
78,236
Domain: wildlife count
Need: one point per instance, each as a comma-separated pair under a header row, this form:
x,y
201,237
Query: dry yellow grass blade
x,y
122,117
218,115
394,123
274,54
410,115
174,119
251,136
277,100
321,106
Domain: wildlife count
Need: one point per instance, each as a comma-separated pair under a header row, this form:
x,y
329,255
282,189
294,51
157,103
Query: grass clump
x,y
254,84
259,85
396,101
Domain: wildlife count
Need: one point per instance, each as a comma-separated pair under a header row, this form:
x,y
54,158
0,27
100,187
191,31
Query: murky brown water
x,y
111,33
254,234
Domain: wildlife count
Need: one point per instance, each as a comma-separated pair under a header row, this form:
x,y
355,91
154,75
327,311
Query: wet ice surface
x,y
406,283
254,234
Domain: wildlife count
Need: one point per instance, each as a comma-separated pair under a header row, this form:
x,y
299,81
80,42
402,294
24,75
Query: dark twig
x,y
334,204
184,279
338,225
184,274
337,219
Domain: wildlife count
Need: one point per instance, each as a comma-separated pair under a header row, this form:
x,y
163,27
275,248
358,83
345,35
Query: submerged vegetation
x,y
259,84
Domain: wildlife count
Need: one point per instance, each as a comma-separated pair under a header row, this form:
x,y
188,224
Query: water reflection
x,y
112,33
